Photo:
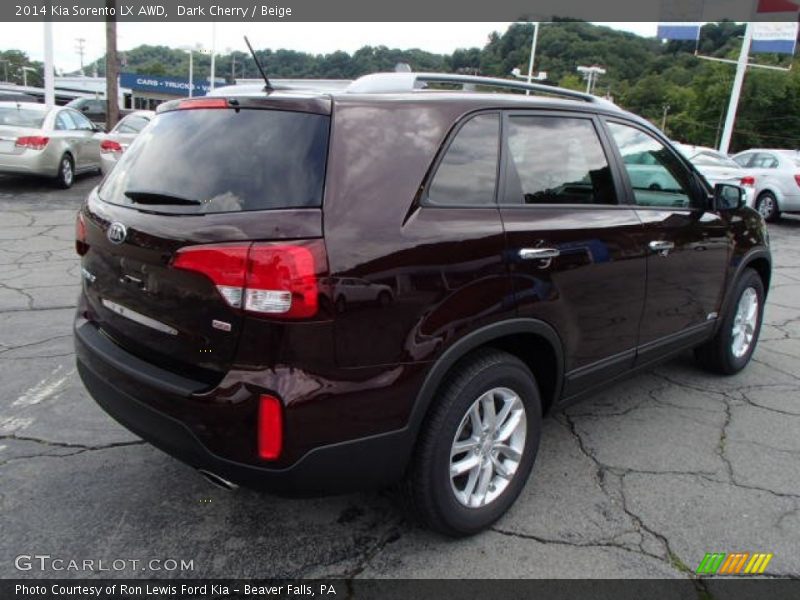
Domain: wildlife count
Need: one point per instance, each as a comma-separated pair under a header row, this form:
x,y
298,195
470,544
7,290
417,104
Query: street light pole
x,y
213,52
191,73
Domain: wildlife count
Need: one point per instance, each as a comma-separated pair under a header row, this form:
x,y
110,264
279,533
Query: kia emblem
x,y
116,233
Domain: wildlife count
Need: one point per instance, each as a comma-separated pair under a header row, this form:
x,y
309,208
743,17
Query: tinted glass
x,y
21,117
468,171
66,120
556,160
131,124
226,160
659,179
742,160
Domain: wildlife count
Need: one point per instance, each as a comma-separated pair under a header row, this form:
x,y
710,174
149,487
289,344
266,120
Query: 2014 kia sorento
x,y
311,292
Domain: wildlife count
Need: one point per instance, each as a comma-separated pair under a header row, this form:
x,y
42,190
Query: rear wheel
x,y
767,206
733,345
66,172
478,445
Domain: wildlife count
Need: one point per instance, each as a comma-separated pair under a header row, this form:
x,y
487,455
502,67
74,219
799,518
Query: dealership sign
x,y
173,86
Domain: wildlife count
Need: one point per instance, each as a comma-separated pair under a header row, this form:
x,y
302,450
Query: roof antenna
x,y
268,87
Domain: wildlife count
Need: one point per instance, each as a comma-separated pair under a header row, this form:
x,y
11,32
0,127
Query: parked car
x,y
347,291
93,109
116,141
527,271
717,167
777,179
47,142
9,96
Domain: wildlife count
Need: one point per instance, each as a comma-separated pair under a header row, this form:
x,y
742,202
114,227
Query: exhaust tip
x,y
218,481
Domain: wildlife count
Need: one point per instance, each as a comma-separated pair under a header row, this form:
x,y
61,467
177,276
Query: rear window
x,y
21,117
223,160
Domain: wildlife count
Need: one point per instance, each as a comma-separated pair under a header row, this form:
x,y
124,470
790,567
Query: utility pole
x,y
733,105
213,52
664,118
590,74
80,48
112,67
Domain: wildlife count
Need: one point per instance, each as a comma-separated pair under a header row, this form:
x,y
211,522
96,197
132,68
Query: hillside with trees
x,y
644,75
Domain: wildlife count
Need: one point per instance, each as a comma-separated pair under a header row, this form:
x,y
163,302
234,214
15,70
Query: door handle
x,y
661,246
538,253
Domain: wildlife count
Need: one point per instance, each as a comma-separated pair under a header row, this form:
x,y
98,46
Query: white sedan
x,y
777,176
716,167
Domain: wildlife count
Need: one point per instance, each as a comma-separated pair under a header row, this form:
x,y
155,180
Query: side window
x,y
63,122
556,160
764,161
81,122
131,124
468,171
660,179
743,160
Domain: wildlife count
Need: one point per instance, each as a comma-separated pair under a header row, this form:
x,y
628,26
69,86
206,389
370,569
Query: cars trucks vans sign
x,y
173,86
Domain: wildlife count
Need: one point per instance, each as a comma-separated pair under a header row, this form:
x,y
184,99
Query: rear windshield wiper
x,y
147,197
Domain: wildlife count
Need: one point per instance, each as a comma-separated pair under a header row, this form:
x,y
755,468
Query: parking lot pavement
x,y
640,481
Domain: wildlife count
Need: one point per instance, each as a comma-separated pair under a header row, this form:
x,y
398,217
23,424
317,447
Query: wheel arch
x,y
760,260
534,342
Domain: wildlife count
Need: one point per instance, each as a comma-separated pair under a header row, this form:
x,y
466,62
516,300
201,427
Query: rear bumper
x,y
363,463
31,162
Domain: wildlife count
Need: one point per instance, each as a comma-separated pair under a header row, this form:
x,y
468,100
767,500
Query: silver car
x,y
116,141
54,142
777,175
717,167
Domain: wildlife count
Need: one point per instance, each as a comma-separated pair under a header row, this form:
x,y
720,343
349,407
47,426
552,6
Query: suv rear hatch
x,y
209,189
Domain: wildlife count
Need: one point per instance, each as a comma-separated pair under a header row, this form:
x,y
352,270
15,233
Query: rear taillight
x,y
110,146
748,180
81,247
797,179
270,427
32,142
265,278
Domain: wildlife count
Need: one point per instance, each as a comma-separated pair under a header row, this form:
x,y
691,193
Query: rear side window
x,y
222,160
21,117
467,174
556,160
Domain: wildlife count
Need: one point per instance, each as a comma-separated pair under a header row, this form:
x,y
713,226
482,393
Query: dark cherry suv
x,y
316,292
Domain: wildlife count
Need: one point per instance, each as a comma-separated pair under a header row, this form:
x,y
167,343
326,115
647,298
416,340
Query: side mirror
x,y
727,197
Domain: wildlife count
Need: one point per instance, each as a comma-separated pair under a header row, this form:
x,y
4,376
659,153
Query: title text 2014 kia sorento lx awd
x,y
317,292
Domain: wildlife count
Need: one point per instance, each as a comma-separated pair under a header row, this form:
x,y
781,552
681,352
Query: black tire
x,y
65,178
767,206
428,487
717,355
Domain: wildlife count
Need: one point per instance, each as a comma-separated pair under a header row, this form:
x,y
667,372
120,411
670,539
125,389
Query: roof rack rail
x,y
384,83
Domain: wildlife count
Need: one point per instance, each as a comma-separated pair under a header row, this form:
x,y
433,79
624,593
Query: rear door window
x,y
222,160
556,160
467,174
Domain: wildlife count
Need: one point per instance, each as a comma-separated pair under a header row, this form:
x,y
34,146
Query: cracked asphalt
x,y
638,482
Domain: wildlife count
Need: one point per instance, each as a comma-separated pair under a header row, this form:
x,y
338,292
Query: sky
x,y
316,38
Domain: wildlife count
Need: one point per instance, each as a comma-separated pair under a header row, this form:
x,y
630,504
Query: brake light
x,y
32,142
81,247
265,278
748,180
797,179
203,103
110,146
270,427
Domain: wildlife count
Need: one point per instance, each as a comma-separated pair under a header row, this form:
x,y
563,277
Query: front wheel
x,y
767,206
729,351
478,445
